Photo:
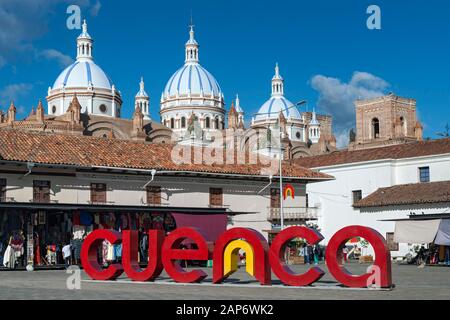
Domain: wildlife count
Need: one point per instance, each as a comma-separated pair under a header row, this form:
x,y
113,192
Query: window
x,y
53,109
154,195
103,108
215,197
41,191
275,198
357,195
207,123
2,190
307,200
98,192
297,134
424,174
217,123
375,128
172,123
183,122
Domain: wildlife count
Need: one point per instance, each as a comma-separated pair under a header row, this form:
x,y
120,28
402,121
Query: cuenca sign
x,y
165,253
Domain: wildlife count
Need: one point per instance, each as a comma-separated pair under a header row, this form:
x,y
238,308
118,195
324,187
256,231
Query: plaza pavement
x,y
411,283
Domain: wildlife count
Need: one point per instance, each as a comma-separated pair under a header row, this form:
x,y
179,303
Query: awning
x,y
210,226
443,234
423,231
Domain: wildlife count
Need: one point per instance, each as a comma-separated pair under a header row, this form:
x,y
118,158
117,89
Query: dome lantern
x,y
277,83
142,101
191,47
84,44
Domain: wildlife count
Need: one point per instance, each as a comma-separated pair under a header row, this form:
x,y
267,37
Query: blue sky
x,y
326,53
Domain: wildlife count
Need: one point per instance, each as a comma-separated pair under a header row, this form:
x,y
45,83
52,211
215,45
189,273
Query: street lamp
x,y
299,103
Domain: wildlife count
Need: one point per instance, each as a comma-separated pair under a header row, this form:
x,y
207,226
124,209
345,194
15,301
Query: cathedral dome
x,y
84,79
271,109
192,93
192,79
192,84
277,103
82,74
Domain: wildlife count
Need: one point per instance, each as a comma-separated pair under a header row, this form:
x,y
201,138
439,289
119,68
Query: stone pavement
x,y
411,283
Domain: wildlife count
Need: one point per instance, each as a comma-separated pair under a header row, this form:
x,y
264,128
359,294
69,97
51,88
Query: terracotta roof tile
x,y
407,150
405,194
87,151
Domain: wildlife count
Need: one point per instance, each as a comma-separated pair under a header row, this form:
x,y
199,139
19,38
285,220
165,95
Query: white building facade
x,y
403,164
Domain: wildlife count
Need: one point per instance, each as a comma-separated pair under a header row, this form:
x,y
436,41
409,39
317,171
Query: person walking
x,y
316,253
308,253
67,254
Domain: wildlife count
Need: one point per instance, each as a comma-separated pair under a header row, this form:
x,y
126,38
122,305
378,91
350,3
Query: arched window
x,y
404,128
172,123
183,122
217,123
375,128
207,123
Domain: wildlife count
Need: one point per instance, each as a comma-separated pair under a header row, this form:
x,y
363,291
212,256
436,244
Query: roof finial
x,y
277,70
142,84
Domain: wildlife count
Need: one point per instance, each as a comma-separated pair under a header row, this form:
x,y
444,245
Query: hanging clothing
x,y
111,256
105,251
86,219
118,251
78,231
76,218
7,256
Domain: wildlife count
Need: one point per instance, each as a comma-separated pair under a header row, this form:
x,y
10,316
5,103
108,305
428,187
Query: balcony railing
x,y
293,213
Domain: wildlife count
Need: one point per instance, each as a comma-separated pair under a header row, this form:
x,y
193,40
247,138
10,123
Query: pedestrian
x,y
310,253
67,254
143,246
316,253
306,254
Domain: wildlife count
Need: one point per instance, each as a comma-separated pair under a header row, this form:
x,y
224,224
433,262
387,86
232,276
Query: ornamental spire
x,y
277,83
191,46
84,43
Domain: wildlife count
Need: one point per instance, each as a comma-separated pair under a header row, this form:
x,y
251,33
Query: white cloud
x,y
336,98
14,91
52,54
24,21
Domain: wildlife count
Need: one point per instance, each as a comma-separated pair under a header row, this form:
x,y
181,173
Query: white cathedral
x,y
84,100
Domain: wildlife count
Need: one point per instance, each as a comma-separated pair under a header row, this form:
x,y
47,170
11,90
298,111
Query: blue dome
x,y
271,109
83,74
192,79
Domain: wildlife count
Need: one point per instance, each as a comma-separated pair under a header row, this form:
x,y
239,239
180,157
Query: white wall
x,y
335,197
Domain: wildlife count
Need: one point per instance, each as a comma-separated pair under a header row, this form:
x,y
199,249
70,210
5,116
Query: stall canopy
x,y
210,226
443,234
423,231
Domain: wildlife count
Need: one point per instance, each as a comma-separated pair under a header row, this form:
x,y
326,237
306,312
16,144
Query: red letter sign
x,y
89,255
260,253
382,257
279,266
130,255
172,252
